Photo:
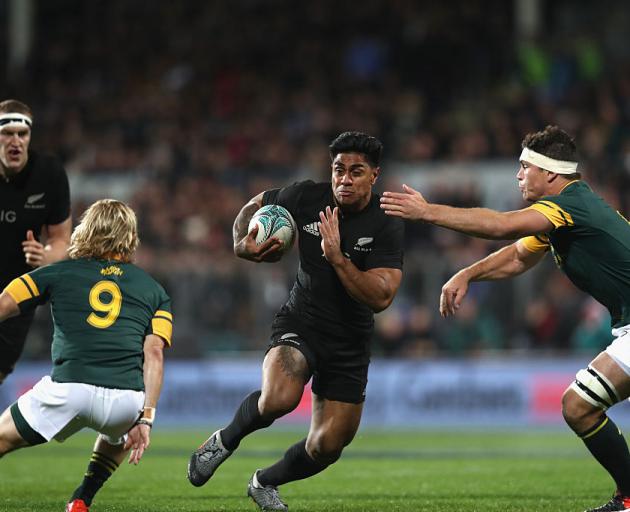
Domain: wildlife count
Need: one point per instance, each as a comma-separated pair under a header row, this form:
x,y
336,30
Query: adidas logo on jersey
x,y
312,228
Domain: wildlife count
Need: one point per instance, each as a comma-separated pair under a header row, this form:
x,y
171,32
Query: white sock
x,y
255,481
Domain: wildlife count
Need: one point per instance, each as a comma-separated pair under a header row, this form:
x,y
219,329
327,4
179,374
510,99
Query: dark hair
x,y
552,142
15,106
357,142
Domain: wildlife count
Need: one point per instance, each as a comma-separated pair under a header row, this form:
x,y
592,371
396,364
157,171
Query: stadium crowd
x,y
248,97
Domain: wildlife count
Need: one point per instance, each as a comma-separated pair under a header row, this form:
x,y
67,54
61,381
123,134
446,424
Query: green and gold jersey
x,y
590,242
102,310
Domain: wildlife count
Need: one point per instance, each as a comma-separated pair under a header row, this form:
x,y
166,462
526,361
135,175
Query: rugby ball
x,y
274,221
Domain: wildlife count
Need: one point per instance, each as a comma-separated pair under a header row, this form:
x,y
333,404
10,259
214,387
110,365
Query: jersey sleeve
x,y
554,210
32,289
388,246
535,243
60,208
286,196
162,321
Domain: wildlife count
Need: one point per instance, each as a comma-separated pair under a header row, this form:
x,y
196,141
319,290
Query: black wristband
x,y
144,421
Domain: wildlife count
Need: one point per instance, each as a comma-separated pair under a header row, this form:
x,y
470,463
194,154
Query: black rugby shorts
x,y
339,365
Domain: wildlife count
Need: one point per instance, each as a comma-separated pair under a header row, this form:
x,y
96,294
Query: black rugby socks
x,y
246,420
607,444
295,465
98,471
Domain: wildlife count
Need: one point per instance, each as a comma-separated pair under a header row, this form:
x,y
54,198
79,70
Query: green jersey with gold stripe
x,y
590,242
102,310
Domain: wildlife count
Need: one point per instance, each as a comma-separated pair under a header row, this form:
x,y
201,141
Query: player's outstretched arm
x,y
138,438
245,242
8,306
479,222
508,261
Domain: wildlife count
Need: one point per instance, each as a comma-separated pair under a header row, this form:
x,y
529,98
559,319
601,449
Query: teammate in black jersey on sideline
x,y
590,242
350,267
34,201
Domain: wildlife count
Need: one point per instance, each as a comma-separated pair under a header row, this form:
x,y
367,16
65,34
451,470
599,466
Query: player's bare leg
x,y
10,438
333,426
584,404
285,373
104,461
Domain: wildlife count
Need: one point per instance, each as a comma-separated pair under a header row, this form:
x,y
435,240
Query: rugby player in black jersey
x,y
350,268
34,201
590,242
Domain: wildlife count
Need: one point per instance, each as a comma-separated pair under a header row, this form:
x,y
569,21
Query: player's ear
x,y
376,171
551,177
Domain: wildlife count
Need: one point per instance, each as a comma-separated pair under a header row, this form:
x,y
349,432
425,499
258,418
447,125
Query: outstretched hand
x,y
453,292
138,439
409,204
268,251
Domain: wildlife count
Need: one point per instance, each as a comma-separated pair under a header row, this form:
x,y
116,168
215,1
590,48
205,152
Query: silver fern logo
x,y
362,242
32,200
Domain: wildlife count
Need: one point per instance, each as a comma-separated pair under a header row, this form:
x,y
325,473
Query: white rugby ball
x,y
274,221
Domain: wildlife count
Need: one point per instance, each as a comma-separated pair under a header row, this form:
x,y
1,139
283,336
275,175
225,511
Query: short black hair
x,y
358,142
552,142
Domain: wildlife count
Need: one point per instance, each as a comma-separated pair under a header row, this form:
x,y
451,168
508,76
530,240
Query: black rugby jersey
x,y
37,196
369,238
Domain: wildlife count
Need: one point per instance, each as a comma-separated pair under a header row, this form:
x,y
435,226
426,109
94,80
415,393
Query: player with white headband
x,y
15,120
35,222
590,242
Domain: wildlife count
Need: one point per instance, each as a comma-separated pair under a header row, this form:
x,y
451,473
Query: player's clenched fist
x,y
33,250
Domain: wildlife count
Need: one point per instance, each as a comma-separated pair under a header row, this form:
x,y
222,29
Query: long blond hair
x,y
108,229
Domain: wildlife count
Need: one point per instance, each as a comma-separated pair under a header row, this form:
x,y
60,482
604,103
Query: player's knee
x,y
324,448
7,443
590,395
5,447
574,409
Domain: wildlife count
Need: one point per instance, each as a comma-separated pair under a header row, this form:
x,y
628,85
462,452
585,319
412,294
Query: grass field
x,y
399,471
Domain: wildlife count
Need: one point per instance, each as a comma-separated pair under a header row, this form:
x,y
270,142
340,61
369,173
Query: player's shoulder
x,y
63,271
379,213
67,265
300,193
575,193
45,162
308,186
141,277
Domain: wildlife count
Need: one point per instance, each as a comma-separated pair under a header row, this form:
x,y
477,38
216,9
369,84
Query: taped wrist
x,y
147,417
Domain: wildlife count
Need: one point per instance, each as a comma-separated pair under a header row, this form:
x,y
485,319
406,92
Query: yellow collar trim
x,y
570,183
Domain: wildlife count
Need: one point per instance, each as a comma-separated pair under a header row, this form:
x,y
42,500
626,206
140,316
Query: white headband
x,y
15,120
548,164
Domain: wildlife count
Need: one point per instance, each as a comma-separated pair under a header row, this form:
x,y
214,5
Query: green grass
x,y
395,471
